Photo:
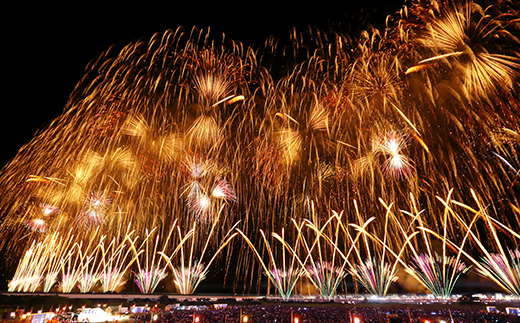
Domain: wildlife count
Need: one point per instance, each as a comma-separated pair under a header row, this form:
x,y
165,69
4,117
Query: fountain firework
x,y
283,276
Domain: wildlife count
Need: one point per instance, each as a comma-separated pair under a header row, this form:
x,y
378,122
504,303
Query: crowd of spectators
x,y
325,314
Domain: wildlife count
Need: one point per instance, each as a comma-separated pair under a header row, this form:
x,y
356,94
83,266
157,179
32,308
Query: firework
x,y
50,279
201,206
506,270
183,128
498,267
68,281
196,167
464,37
69,272
376,274
324,274
285,280
148,276
86,282
49,209
29,272
201,197
115,261
38,225
57,247
89,267
41,261
438,274
112,278
222,190
391,146
13,284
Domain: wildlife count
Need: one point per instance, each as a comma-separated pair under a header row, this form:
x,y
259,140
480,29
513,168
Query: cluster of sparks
x,y
397,164
187,143
429,270
94,212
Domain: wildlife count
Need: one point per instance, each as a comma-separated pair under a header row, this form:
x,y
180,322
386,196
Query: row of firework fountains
x,y
323,252
174,139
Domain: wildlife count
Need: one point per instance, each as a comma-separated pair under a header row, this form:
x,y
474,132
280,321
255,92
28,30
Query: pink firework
x,y
38,225
96,207
196,166
200,204
222,190
49,209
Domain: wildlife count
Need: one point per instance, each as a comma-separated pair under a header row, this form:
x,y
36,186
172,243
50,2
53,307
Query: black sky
x,y
47,47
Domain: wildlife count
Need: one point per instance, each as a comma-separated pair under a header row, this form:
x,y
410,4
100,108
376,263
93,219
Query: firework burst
x,y
115,260
38,225
498,267
49,209
148,280
70,272
95,209
222,190
325,277
186,279
465,37
29,272
392,145
151,271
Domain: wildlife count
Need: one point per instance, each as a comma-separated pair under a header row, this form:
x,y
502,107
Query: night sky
x,y
47,47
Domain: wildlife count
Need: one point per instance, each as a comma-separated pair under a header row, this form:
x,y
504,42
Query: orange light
x,y
197,319
357,320
296,320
